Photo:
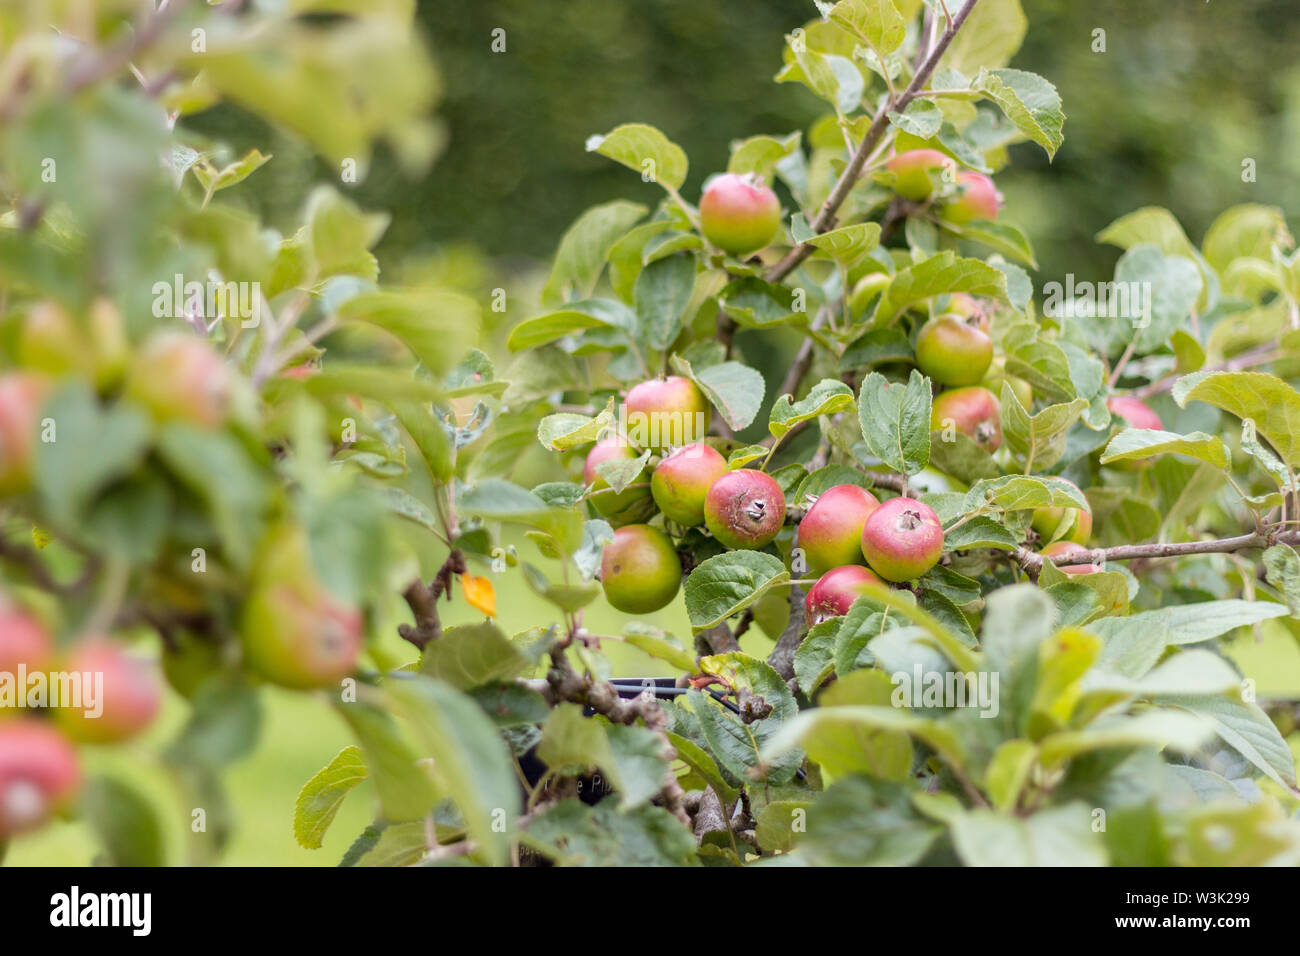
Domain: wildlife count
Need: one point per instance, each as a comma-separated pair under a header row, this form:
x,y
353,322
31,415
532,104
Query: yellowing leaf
x,y
480,593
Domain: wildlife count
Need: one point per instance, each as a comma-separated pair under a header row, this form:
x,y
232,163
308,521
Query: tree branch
x,y
782,656
1032,562
423,598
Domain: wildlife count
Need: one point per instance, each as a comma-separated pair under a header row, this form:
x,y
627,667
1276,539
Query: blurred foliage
x,y
1164,117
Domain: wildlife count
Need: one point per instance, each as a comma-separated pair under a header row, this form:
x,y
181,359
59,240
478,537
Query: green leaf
x,y
659,644
125,821
895,421
646,150
1243,232
728,583
471,763
876,23
1024,492
827,397
1266,400
739,745
430,322
573,834
1246,729
565,430
735,390
585,247
759,154
430,437
921,119
1060,836
1171,286
320,798
212,179
981,532
1003,237
662,292
1039,439
1171,729
808,724
848,244
1029,101
574,317
990,37
1191,623
702,762
472,655
89,449
405,792
1282,565
945,272
1138,443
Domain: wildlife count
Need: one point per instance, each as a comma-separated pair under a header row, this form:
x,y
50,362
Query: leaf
x,y
990,37
1266,400
574,317
430,322
735,390
573,834
728,583
1173,729
702,762
586,245
125,821
565,430
739,745
405,792
921,119
848,244
1247,729
1246,231
662,292
759,154
471,762
659,644
827,397
895,421
320,798
1039,438
471,655
1029,101
1059,836
646,150
1169,285
1192,623
1139,443
1024,492
875,22
1003,237
1282,565
981,532
212,179
806,725
945,272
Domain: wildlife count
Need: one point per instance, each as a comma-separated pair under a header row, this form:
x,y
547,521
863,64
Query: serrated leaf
x,y
895,421
1029,101
827,397
646,150
320,798
728,583
1139,443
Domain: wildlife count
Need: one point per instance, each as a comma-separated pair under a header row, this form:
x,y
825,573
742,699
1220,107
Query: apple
x,y
744,509
835,592
607,502
665,413
902,539
952,351
973,411
913,170
131,693
1064,550
739,214
179,377
682,481
978,199
39,774
639,570
21,398
830,534
1077,522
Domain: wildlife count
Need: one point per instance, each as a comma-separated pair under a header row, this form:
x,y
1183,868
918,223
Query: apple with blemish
x,y
836,590
973,411
902,539
744,509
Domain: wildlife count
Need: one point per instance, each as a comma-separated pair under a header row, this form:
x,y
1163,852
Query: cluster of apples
x,y
690,485
40,771
849,539
915,174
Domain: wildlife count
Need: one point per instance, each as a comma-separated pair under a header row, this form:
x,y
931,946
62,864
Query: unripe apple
x,y
744,509
39,774
967,307
293,632
830,534
978,199
21,397
666,413
1137,414
607,502
111,346
973,411
51,342
868,288
1059,551
952,351
640,570
1078,521
902,539
24,642
913,170
131,693
682,481
738,213
835,592
179,377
